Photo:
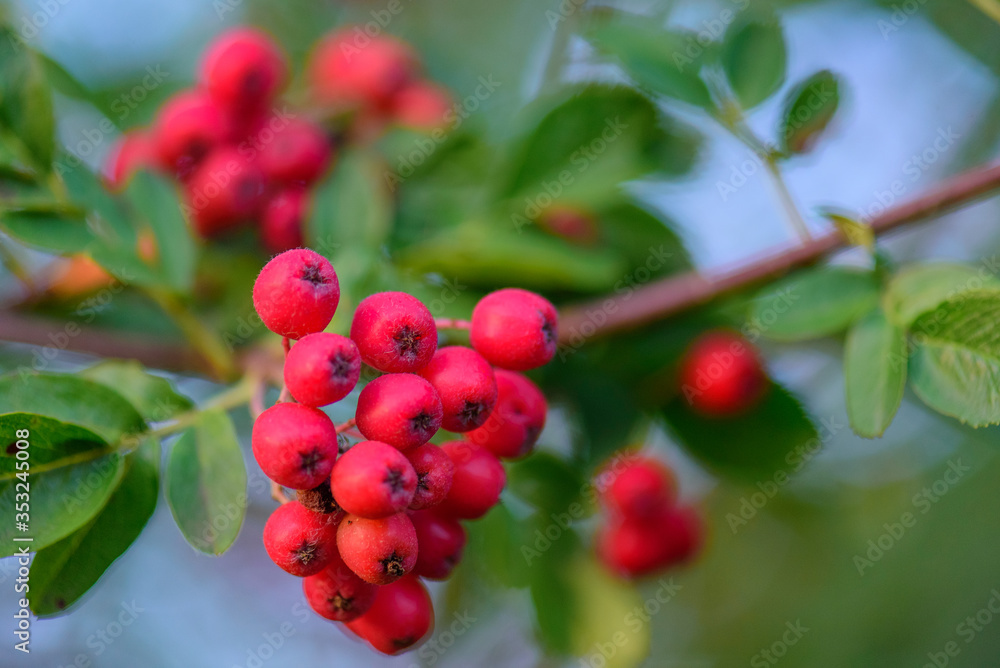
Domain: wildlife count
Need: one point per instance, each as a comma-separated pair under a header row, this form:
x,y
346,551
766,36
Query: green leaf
x,y
75,400
955,368
773,436
875,373
64,571
25,98
499,549
153,396
917,289
645,239
550,582
814,303
809,108
656,59
157,202
754,59
60,233
592,140
207,483
546,482
50,441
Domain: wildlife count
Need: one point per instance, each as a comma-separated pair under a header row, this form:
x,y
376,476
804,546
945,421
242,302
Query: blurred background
x,y
801,577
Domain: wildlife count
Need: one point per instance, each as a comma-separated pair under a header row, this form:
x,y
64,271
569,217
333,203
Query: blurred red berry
x,y
298,152
422,106
721,375
350,69
282,220
225,190
134,150
243,70
188,128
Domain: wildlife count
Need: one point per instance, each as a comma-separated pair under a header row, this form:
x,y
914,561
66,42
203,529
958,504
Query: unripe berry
x,y
516,421
300,541
381,550
322,368
298,153
422,106
373,480
641,488
346,75
225,190
133,151
721,375
295,445
466,385
337,593
296,293
434,470
477,482
515,329
394,331
243,70
282,220
441,540
401,616
400,409
189,126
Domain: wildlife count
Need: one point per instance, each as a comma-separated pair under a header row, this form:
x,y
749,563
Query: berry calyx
x,y
441,540
721,375
296,293
434,470
322,368
300,541
515,329
282,220
401,616
394,331
477,482
373,480
320,499
337,593
400,409
379,551
518,418
243,70
640,489
466,385
295,445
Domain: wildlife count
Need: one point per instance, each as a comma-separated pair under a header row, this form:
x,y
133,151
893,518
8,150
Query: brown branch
x,y
675,294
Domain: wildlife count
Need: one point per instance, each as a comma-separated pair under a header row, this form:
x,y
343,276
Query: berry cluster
x,y
646,531
372,518
721,375
243,157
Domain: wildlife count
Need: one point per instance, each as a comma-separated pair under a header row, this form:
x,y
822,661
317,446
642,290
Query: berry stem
x,y
347,426
452,323
278,493
286,343
14,266
239,394
204,340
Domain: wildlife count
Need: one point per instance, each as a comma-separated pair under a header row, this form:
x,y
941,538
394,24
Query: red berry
x,y
243,70
296,293
381,550
282,220
516,421
295,445
571,223
133,151
515,329
297,153
721,375
373,480
634,547
422,106
401,616
477,482
685,527
641,488
394,331
400,409
225,190
434,470
322,368
441,540
300,541
189,126
337,593
346,72
466,385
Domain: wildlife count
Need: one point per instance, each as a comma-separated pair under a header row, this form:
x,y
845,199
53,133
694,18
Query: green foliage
x,y
814,303
809,108
154,397
875,373
920,288
155,201
754,59
25,99
206,483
